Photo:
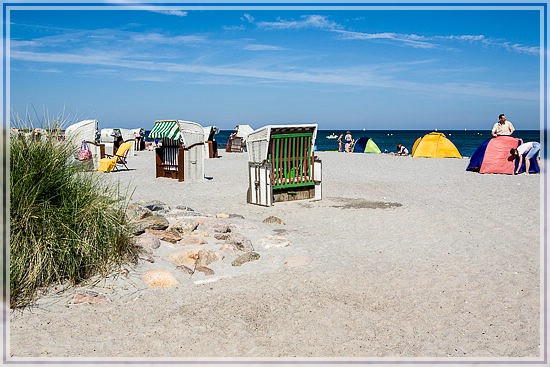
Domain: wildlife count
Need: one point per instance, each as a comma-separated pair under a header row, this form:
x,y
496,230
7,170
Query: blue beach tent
x,y
365,145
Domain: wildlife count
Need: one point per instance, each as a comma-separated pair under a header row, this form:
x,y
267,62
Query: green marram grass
x,y
65,225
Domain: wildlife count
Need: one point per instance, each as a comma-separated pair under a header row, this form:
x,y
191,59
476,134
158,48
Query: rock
x,y
153,221
221,228
222,236
159,278
200,234
184,208
184,257
89,297
236,216
183,227
148,241
240,242
274,241
205,270
208,256
192,241
185,269
244,258
135,212
273,220
155,206
147,258
124,272
165,235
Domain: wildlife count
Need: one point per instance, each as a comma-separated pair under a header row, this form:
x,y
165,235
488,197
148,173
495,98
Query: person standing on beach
x,y
531,148
340,142
502,126
349,142
137,140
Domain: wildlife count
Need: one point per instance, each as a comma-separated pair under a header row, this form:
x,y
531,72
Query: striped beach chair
x,y
282,164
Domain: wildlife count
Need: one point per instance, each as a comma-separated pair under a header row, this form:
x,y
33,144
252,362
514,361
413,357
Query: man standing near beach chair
x,y
502,126
531,148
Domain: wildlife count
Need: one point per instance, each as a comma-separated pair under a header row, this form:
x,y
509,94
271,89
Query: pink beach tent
x,y
493,156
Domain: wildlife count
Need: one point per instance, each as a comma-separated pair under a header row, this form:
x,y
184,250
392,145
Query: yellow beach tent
x,y
434,145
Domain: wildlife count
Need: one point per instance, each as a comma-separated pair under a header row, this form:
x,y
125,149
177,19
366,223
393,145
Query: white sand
x,y
454,271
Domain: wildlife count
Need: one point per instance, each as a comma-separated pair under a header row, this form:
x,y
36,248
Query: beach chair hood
x,y
434,145
258,140
187,132
82,130
243,131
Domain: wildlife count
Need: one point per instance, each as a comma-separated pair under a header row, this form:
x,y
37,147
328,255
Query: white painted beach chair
x,y
282,164
85,130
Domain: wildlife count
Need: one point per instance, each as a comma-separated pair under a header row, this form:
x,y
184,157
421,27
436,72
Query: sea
x,y
466,141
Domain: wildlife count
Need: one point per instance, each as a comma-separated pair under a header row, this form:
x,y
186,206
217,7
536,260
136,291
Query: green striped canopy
x,y
166,129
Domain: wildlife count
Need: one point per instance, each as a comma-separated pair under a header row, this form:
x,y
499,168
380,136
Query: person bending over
x,y
531,148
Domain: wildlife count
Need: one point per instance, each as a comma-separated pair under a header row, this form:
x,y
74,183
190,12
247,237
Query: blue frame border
x,y
544,134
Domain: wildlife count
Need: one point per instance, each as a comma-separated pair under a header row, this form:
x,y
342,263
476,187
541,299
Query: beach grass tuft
x,y
65,224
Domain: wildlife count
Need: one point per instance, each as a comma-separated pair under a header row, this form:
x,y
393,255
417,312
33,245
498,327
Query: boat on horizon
x,y
332,136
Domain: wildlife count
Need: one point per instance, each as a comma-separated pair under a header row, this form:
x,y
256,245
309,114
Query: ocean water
x,y
466,141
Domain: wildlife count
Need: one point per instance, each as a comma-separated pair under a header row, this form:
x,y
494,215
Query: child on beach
x,y
401,150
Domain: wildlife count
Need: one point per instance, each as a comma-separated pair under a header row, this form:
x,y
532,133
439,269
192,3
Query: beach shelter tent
x,y
493,156
365,145
282,164
85,130
181,152
434,145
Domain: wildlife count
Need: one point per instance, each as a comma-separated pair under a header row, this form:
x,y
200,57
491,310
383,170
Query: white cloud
x,y
234,27
411,40
531,50
177,13
247,17
164,39
258,47
307,21
356,77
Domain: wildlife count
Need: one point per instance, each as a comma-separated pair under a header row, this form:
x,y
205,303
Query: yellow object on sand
x,y
110,163
434,145
106,165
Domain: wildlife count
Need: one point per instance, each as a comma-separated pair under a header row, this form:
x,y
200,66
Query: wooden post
x,y
159,168
181,173
101,150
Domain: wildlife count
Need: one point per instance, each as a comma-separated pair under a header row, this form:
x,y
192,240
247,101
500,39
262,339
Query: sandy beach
x,y
403,259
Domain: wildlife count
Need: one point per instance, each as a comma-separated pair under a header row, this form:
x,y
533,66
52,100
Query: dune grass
x,y
65,225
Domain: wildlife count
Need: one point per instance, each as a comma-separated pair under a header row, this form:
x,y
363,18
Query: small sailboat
x,y
332,136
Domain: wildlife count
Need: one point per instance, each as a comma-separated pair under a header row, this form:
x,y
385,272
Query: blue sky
x,y
347,69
